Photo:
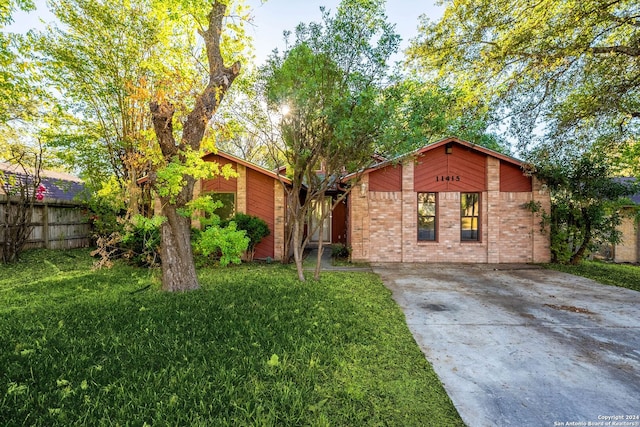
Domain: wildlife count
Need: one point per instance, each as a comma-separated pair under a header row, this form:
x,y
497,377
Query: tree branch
x,y
626,50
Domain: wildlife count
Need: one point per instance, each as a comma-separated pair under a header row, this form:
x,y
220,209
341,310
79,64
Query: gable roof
x,y
250,165
434,146
238,160
58,185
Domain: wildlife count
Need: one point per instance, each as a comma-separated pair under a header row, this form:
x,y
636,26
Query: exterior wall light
x,y
448,149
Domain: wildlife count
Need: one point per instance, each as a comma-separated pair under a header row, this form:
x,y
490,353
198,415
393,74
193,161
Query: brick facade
x,y
383,224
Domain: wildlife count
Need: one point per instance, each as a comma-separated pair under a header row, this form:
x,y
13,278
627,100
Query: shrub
x,y
340,251
141,241
227,242
137,241
256,229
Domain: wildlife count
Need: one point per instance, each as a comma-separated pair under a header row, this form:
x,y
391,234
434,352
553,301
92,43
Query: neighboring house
x,y
58,218
56,186
629,249
451,201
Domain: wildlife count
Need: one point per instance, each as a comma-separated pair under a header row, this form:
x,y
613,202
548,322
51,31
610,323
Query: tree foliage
x,y
101,58
143,79
420,112
569,68
586,201
330,80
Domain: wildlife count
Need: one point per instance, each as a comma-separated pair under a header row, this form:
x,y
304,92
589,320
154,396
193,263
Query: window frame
x,y
434,216
476,214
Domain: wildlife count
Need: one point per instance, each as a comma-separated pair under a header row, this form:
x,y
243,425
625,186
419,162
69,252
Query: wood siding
x,y
388,178
463,170
260,203
512,179
219,184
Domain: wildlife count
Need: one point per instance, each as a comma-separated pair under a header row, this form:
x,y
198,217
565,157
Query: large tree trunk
x,y
178,267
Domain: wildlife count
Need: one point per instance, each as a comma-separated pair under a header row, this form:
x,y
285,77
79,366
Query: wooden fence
x,y
57,224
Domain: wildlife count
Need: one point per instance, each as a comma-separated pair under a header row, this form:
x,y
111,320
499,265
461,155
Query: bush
x,y
227,242
256,229
340,251
141,241
137,241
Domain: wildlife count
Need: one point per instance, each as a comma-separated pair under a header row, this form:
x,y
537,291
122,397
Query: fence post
x,y
45,225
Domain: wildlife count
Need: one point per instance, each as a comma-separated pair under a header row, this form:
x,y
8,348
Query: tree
x,y
101,59
145,90
420,112
586,201
565,70
19,92
181,157
22,188
331,81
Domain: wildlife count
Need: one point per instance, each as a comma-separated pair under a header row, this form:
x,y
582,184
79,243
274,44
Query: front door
x,y
316,213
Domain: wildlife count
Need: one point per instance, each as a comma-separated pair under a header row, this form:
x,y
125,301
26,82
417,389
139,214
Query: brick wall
x,y
279,227
384,224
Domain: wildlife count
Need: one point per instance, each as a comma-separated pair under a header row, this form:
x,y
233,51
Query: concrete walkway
x,y
327,262
522,346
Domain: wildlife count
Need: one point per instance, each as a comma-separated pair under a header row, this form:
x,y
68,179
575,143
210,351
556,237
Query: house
x,y
628,250
55,186
452,201
255,191
58,219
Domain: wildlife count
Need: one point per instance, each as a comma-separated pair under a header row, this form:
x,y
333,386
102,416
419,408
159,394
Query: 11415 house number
x,y
448,178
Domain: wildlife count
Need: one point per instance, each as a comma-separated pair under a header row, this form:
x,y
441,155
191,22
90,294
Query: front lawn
x,y
623,275
252,347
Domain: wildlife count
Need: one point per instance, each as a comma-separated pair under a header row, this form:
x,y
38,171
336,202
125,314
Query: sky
x,y
273,17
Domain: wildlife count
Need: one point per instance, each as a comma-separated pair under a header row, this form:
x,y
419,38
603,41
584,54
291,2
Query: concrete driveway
x,y
524,346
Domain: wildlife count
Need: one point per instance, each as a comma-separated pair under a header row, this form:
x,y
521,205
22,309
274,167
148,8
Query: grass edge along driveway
x,y
253,347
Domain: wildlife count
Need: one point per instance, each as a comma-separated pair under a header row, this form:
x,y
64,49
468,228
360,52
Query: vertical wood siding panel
x,y
468,165
512,179
261,203
339,224
388,178
219,183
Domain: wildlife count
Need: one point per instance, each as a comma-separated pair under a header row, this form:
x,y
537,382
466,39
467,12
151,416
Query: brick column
x,y
279,223
409,212
197,191
241,189
492,209
359,220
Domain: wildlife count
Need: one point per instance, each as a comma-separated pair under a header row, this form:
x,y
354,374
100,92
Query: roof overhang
x,y
434,146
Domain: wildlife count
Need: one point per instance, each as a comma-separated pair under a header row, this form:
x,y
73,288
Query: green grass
x,y
623,275
252,347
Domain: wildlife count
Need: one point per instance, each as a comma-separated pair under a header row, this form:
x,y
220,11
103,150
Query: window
x,y
426,216
228,208
469,214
